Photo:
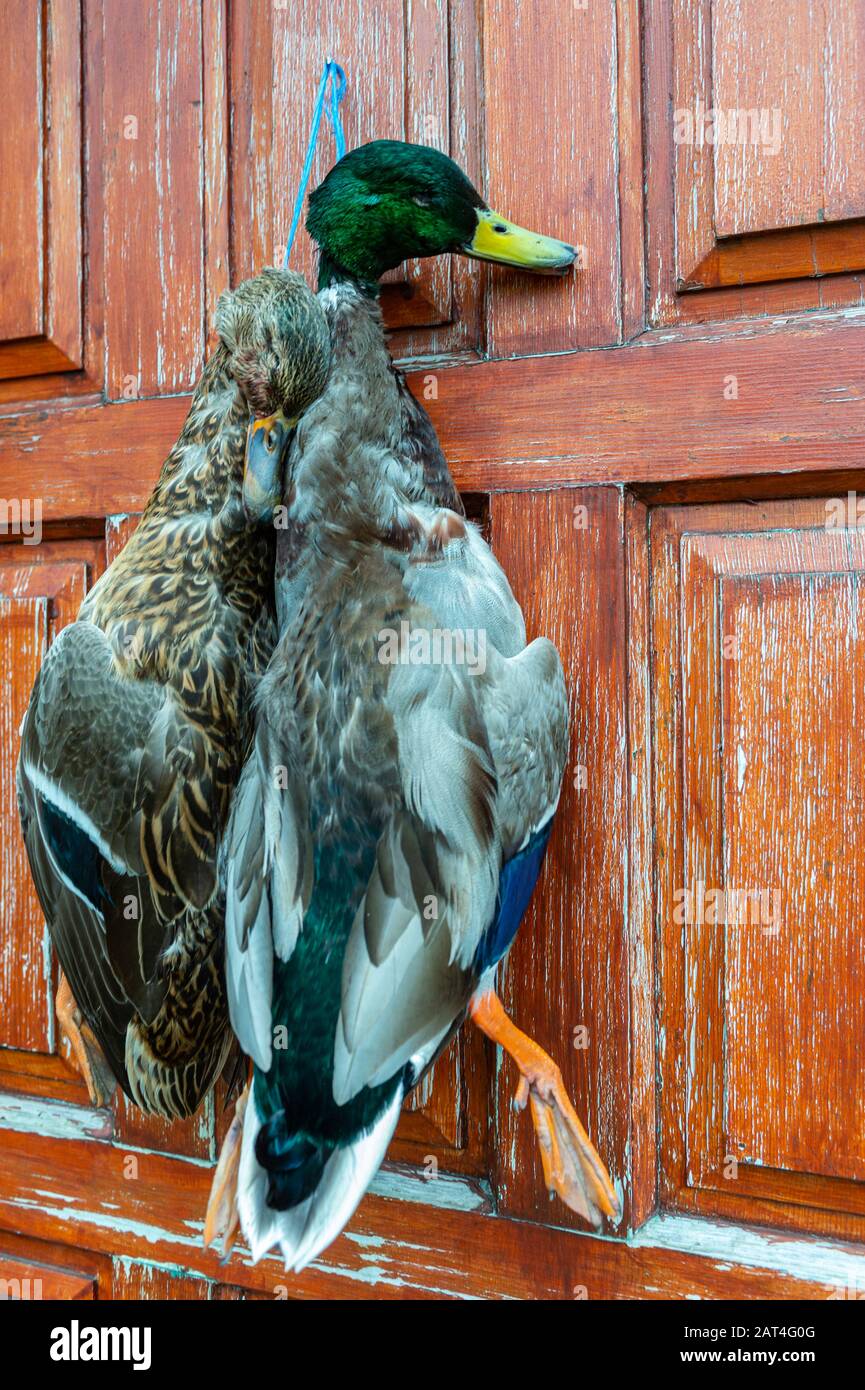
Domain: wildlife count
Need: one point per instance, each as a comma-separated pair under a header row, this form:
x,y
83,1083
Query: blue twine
x,y
334,74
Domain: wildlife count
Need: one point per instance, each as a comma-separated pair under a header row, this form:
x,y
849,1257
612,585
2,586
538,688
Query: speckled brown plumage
x,y
139,721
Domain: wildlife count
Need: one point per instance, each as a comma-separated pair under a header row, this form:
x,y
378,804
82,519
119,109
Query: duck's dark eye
x,y
423,200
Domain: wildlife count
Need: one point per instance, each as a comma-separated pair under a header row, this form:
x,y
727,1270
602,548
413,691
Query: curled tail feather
x,y
321,1183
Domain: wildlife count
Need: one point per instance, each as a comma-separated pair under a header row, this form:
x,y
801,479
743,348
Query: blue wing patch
x,y
516,885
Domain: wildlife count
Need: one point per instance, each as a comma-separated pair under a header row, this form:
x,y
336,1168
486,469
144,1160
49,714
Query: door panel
x,y
800,65
36,600
758,145
763,142
553,166
759,686
41,589
41,265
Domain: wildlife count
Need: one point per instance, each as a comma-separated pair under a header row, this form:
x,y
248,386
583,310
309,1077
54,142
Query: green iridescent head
x,y
387,201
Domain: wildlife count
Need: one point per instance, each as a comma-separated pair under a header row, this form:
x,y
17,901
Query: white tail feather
x,y
304,1231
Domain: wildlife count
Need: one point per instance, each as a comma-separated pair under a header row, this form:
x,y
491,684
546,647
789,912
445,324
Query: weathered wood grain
x,y
639,886
803,65
154,209
36,601
565,976
41,232
757,786
647,414
26,1280
551,162
140,1279
21,175
41,588
395,1250
778,270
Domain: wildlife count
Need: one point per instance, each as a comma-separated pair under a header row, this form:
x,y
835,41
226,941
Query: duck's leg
x,y
222,1219
87,1056
571,1164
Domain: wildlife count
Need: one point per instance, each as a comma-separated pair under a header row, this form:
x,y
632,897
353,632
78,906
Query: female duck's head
x,y
278,346
387,201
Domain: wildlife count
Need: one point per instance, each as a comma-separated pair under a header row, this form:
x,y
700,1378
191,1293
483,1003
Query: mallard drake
x,y
138,721
391,822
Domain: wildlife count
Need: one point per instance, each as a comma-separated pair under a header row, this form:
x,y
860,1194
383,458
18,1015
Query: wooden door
x,y
667,452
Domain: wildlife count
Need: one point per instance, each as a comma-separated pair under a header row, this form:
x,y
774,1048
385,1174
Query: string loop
x,y
332,73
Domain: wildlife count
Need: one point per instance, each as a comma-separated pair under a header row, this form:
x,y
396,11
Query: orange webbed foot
x,y
84,1051
572,1167
222,1220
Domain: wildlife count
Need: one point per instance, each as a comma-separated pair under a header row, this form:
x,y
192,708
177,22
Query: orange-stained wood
x,y
20,156
799,163
567,969
41,233
647,415
553,167
36,600
697,57
41,588
392,1250
759,675
22,1279
154,244
772,153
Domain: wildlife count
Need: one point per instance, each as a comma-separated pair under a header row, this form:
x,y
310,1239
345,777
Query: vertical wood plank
x,y
216,159
427,122
36,601
641,939
24,951
843,111
64,250
369,41
453,47
631,177
154,270
251,115
669,855
551,130
21,171
138,1280
568,969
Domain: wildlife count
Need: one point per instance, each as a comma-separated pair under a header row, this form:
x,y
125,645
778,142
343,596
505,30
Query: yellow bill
x,y
497,239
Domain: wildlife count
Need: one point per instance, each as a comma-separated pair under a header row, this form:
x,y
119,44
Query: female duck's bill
x,y
497,239
268,439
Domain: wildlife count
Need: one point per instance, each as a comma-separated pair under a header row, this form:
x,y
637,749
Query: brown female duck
x,y
137,724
